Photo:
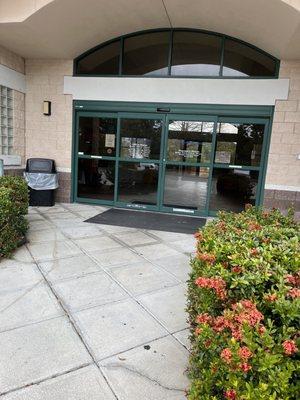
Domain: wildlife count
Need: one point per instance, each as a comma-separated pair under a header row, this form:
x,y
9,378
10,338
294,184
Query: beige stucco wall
x,y
284,165
48,136
11,60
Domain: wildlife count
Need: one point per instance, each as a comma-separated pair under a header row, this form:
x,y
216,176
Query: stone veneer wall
x,y
50,136
283,172
17,63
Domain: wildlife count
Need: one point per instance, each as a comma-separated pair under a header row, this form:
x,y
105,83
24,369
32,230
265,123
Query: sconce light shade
x,y
47,108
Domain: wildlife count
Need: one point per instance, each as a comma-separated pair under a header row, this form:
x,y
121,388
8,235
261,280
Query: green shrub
x,y
244,308
13,208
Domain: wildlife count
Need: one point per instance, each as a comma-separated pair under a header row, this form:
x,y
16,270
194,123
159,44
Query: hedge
x,y
244,308
13,208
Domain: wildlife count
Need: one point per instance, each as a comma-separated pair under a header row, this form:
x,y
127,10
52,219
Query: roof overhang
x,y
67,28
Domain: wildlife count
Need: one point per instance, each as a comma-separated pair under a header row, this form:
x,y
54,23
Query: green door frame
x,y
132,115
163,111
187,117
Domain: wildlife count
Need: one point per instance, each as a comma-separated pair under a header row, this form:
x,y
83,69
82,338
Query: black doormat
x,y
149,220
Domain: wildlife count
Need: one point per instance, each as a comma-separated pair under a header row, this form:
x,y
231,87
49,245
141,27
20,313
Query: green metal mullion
x,y
222,56
211,167
164,158
96,114
74,166
187,164
88,200
117,160
263,161
92,157
170,52
233,166
121,56
139,160
162,167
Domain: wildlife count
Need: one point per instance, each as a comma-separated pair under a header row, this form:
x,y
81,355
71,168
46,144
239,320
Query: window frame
x,y
170,56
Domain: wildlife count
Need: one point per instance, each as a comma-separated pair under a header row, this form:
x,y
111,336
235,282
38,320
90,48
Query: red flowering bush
x,y
244,308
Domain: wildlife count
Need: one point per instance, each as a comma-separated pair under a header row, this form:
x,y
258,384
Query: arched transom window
x,y
176,52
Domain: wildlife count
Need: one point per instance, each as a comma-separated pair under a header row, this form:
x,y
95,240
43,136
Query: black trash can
x,y
41,177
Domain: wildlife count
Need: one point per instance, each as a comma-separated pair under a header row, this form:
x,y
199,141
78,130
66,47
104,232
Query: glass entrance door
x,y
187,163
179,163
139,162
238,162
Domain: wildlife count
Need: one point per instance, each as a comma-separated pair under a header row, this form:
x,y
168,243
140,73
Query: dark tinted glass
x,y
104,61
146,54
232,189
97,136
140,138
185,187
138,183
242,60
196,53
239,144
96,179
189,141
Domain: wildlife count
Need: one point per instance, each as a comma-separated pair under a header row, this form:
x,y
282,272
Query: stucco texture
x,y
48,136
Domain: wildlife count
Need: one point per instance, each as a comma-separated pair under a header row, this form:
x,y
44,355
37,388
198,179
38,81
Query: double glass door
x,y
189,164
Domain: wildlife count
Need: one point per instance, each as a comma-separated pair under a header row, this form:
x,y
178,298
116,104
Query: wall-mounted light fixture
x,y
47,108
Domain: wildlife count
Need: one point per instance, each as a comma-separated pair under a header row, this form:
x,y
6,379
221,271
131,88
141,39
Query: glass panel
x,y
146,54
190,141
96,179
186,187
104,61
196,53
243,60
239,144
232,189
138,183
140,138
97,136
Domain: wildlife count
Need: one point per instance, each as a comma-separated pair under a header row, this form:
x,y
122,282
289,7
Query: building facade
x,y
165,107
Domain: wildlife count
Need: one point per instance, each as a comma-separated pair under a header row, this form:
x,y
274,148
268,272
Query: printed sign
x,y
223,157
110,140
188,153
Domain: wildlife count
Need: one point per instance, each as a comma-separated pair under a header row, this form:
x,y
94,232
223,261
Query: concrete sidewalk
x,y
93,312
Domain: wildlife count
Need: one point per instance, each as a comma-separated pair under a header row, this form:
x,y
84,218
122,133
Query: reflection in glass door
x,y
96,156
237,164
139,161
187,164
169,162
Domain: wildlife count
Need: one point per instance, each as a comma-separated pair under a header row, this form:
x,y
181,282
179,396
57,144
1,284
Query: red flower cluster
x,y
294,293
254,252
230,394
206,257
245,367
226,355
289,347
198,236
244,312
293,279
247,313
203,318
271,297
217,284
244,353
254,226
237,270
221,226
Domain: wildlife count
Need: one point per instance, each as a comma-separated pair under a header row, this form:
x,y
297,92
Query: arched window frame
x,y
172,30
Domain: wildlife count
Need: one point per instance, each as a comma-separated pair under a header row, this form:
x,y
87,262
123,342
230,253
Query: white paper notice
x,y
109,140
223,157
